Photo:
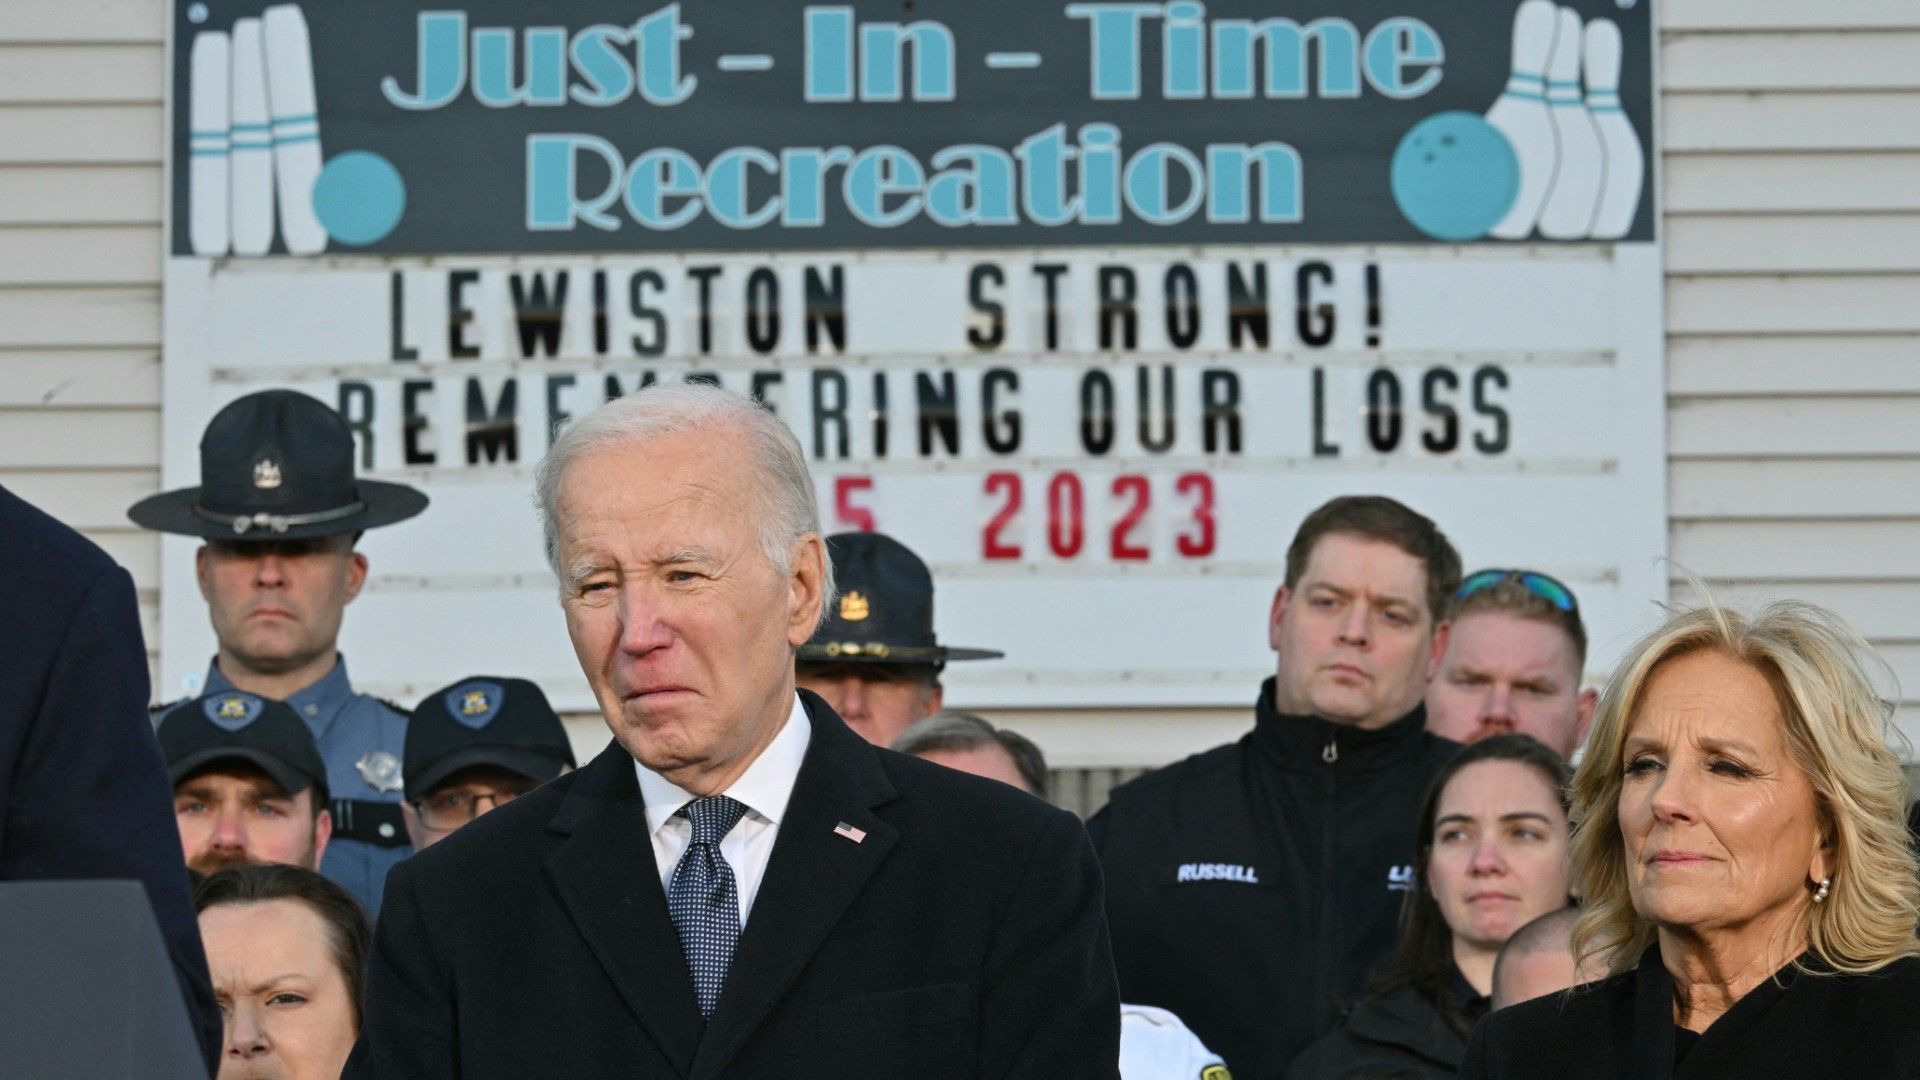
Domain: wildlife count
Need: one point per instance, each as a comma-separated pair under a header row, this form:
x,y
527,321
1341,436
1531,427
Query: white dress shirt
x,y
763,789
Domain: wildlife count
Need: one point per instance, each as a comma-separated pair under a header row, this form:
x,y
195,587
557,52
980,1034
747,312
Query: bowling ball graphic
x,y
1454,176
359,197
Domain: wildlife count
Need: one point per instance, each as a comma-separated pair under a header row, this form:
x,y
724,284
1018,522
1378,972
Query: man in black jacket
x,y
1252,888
738,886
83,790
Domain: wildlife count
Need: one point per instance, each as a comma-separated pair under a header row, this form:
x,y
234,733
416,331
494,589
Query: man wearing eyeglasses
x,y
1252,889
474,745
1515,654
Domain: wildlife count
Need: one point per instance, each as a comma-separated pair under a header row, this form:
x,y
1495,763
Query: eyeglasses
x,y
1546,588
455,807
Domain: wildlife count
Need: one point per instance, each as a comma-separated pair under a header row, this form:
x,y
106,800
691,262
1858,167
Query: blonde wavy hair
x,y
1838,731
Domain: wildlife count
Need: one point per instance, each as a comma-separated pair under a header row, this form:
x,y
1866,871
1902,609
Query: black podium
x,y
86,988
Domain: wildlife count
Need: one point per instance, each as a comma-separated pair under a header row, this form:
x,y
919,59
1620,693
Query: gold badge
x,y
475,703
853,607
1215,1072
233,708
266,475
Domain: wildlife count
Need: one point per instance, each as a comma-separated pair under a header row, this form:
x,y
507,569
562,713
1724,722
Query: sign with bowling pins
x,y
1089,302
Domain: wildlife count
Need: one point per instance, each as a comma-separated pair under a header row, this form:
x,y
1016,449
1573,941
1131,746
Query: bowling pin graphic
x,y
209,140
1568,213
296,127
251,187
1520,113
1626,161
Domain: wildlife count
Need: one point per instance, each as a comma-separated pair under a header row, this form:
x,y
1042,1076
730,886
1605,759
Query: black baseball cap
x,y
236,725
484,720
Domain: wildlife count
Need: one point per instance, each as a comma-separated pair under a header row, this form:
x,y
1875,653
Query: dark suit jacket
x,y
964,937
1795,1026
83,789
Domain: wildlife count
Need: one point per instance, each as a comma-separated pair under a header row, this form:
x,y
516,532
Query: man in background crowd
x,y
1538,960
875,659
248,783
280,510
1252,888
1154,1043
1516,648
83,790
475,745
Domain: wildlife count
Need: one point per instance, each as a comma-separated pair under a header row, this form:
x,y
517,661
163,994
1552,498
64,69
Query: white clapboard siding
x,y
1738,244
94,194
1812,60
1793,427
1747,16
89,499
81,256
69,22
45,438
70,134
1792,120
1815,488
80,318
1793,308
1827,303
95,74
1758,365
1723,182
65,378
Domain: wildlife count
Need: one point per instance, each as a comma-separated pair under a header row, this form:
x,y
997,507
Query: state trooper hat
x,y
484,720
277,465
884,613
234,724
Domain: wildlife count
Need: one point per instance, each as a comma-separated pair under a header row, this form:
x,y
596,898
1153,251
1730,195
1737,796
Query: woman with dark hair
x,y
287,950
1492,857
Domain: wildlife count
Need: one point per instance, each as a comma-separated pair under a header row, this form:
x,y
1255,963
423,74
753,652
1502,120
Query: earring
x,y
1820,894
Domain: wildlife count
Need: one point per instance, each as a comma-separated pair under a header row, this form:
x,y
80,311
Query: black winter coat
x,y
1794,1026
1252,889
1399,1035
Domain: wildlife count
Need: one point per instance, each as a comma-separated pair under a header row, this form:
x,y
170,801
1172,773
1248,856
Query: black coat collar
x,y
1651,1055
607,878
1303,742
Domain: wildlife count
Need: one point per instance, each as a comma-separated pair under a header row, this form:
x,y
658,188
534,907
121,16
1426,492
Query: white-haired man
x,y
739,886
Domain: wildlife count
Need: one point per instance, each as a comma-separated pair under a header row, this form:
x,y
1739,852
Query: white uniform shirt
x,y
1155,1045
763,789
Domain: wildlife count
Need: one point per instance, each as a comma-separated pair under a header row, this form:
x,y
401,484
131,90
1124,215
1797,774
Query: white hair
x,y
787,509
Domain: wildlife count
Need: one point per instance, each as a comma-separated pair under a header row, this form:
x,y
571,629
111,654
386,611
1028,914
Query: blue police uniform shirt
x,y
350,728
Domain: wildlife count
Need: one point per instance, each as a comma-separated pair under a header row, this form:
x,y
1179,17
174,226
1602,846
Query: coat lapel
x,y
812,876
607,878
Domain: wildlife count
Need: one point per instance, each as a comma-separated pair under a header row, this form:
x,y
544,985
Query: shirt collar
x,y
316,703
764,788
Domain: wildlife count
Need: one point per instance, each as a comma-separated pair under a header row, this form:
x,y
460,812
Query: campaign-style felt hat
x,y
484,720
277,465
884,613
234,724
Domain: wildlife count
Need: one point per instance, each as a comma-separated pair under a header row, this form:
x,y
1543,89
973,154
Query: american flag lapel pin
x,y
851,833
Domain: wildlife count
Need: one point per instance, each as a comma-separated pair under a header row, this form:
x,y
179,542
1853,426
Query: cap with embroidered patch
x,y
484,720
233,725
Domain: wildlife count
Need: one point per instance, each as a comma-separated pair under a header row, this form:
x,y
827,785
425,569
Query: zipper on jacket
x,y
1331,753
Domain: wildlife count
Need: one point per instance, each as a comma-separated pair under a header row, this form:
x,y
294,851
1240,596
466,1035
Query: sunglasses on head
x,y
1546,588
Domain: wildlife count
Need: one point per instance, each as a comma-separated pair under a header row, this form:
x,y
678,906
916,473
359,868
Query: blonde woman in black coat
x,y
1740,830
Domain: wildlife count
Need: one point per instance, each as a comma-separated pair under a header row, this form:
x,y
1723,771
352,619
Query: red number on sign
x,y
1198,543
860,517
1123,550
1066,513
991,544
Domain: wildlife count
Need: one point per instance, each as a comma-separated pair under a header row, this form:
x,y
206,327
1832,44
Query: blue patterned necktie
x,y
703,900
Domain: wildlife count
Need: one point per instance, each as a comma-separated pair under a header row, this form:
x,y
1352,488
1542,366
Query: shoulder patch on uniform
x,y
1215,1072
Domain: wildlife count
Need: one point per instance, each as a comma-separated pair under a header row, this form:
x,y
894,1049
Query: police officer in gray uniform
x,y
280,510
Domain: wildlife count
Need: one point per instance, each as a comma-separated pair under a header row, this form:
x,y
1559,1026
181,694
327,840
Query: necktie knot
x,y
713,817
